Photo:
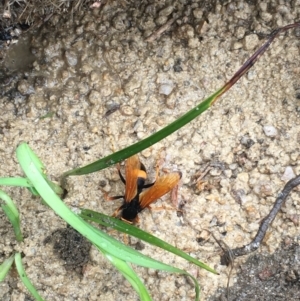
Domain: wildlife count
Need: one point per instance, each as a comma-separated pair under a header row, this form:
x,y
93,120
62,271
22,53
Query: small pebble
x,y
198,13
71,57
270,130
251,41
251,74
185,31
161,20
138,126
166,11
240,32
165,89
23,87
288,174
94,97
267,17
193,43
237,45
126,110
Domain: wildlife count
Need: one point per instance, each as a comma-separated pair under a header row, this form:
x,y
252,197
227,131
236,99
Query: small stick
x,y
113,109
200,175
156,34
254,245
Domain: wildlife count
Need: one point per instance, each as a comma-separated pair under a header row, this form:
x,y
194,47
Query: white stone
x,y
270,131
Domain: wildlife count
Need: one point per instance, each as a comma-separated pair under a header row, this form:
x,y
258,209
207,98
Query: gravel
x,y
99,60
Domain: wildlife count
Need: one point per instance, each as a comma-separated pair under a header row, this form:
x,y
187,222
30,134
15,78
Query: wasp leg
x,y
110,198
126,221
120,175
136,220
116,213
174,196
156,177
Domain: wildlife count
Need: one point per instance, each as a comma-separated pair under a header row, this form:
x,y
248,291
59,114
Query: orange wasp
x,y
139,195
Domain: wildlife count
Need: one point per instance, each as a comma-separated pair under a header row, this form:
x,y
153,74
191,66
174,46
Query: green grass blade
x,y
156,265
147,142
25,279
25,182
132,277
5,267
20,182
56,188
12,213
125,269
121,226
180,122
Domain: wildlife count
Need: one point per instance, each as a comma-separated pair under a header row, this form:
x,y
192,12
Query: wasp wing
x,y
132,171
162,186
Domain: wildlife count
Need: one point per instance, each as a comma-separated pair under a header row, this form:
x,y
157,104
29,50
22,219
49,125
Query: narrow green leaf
x,y
125,269
121,226
5,267
132,277
20,182
147,142
12,213
25,279
183,120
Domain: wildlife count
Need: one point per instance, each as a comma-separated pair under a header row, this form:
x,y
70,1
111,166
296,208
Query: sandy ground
x,y
248,142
